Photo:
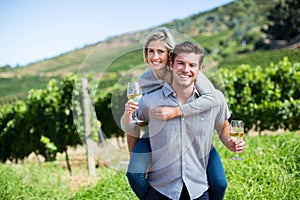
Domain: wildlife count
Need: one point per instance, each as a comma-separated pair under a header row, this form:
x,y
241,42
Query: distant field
x,y
12,89
262,58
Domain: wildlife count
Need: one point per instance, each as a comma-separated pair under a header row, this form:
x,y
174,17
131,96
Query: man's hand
x,y
166,113
232,144
237,146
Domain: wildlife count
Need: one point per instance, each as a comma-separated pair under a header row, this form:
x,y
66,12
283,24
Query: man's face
x,y
185,69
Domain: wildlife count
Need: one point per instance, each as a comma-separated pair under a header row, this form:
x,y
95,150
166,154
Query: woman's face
x,y
157,55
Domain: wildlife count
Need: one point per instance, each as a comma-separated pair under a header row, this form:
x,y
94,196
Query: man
x,y
180,146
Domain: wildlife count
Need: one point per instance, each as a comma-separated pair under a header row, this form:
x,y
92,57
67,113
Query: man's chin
x,y
185,83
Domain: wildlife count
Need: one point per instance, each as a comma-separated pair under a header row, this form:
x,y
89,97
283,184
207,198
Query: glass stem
x,y
134,116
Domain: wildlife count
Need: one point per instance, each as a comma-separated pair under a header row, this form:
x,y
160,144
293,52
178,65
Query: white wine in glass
x,y
236,132
134,92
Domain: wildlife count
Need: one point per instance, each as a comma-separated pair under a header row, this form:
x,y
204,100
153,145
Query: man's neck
x,y
183,93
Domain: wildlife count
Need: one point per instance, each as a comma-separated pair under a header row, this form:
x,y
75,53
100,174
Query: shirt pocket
x,y
200,123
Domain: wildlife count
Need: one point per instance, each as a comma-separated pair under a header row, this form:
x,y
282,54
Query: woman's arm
x,y
128,126
206,101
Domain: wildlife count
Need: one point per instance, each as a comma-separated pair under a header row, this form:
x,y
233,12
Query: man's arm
x,y
223,126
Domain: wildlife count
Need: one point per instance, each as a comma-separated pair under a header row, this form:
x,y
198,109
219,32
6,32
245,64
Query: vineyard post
x,y
87,125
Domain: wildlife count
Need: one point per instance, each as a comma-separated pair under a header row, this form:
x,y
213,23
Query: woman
x,y
157,47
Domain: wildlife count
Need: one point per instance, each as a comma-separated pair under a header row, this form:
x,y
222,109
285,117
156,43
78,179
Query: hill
x,y
229,34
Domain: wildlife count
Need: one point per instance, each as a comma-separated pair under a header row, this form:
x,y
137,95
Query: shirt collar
x,y
168,90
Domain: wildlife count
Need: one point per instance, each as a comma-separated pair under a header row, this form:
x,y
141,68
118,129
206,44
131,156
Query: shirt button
x,y
202,118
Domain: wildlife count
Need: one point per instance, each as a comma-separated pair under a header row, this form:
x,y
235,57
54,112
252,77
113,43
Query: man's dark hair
x,y
187,47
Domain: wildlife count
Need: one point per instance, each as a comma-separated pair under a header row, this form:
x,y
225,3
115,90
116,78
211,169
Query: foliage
x,y
14,141
42,124
269,170
265,98
51,119
104,109
284,18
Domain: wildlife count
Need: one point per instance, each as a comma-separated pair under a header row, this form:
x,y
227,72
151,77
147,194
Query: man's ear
x,y
171,65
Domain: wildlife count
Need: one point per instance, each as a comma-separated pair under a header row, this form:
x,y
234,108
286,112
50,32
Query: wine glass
x,y
236,132
134,92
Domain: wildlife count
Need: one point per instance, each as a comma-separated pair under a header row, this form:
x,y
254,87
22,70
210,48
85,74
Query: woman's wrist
x,y
178,111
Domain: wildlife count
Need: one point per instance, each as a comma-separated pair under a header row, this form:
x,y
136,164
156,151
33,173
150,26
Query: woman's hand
x,y
130,108
166,113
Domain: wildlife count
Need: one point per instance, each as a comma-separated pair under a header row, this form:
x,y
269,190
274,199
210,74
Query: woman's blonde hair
x,y
162,34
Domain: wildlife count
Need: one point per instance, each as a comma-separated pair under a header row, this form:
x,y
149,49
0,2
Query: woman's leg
x,y
138,164
216,176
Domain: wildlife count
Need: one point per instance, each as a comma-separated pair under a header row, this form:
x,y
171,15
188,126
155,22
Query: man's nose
x,y
186,67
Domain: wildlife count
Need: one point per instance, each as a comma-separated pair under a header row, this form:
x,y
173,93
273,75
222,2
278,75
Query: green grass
x,y
32,181
269,170
261,58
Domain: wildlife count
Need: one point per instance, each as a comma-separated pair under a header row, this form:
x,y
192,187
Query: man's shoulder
x,y
220,94
220,98
154,93
159,94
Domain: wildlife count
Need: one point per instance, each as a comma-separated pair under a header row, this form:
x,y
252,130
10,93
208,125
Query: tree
x,y
284,20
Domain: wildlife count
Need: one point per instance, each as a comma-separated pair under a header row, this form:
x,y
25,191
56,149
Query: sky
x,y
33,30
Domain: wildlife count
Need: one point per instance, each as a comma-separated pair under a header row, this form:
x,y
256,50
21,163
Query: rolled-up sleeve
x,y
224,113
130,129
